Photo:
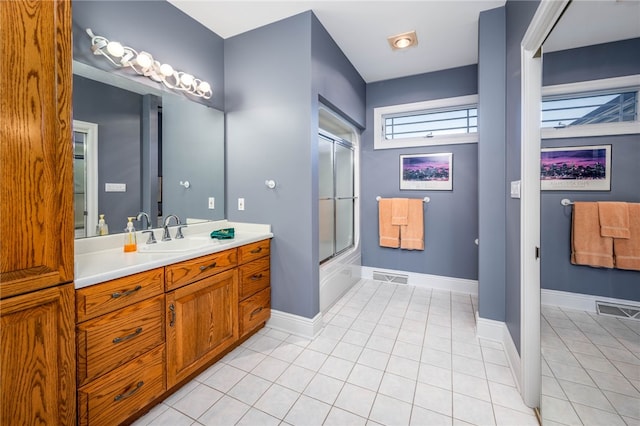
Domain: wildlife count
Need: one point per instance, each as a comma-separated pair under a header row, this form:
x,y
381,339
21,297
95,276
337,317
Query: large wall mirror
x,y
590,359
138,149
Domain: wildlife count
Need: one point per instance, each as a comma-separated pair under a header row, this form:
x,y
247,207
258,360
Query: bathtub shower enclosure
x,y
338,185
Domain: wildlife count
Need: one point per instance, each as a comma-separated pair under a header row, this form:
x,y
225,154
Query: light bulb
x,y
401,43
115,49
166,70
144,60
186,80
204,87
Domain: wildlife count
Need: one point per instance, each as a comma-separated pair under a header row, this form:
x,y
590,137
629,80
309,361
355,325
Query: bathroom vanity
x,y
147,322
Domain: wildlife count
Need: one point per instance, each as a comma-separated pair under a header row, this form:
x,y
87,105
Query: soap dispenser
x,y
102,228
130,240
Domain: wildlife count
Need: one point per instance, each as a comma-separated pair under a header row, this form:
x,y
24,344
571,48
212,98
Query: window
x,y
592,108
440,122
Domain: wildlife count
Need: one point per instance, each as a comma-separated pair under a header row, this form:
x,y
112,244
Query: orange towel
x,y
614,219
389,234
627,251
588,247
412,234
399,211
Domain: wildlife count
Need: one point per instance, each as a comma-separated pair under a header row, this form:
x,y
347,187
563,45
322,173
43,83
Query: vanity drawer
x,y
189,271
111,295
111,340
253,251
254,276
121,393
255,310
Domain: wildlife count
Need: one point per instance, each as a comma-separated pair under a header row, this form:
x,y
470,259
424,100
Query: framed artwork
x,y
576,168
427,171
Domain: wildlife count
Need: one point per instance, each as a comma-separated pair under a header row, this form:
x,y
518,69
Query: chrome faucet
x,y
165,235
149,229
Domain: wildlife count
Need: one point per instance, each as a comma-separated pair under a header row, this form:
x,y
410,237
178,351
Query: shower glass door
x,y
336,196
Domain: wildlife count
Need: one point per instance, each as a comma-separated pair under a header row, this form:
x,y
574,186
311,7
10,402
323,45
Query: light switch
x,y
115,187
212,203
240,203
515,189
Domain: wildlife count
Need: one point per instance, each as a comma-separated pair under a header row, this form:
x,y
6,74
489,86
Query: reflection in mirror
x,y
121,132
590,356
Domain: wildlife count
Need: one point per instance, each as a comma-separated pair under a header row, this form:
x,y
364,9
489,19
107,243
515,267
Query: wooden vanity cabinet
x,y
201,317
37,360
255,290
121,347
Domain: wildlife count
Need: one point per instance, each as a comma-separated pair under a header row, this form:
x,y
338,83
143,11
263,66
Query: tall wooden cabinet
x,y
37,382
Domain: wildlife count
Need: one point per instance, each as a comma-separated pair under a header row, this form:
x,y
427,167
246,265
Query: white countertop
x,y
100,259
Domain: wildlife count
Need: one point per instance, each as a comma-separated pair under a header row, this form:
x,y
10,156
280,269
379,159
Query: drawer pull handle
x,y
130,336
256,277
172,310
125,293
128,394
258,250
255,312
204,268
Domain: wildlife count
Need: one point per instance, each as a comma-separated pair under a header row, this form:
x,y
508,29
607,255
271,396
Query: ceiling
x,y
447,30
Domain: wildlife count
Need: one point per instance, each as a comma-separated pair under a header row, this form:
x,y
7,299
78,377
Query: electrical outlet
x,y
212,203
240,203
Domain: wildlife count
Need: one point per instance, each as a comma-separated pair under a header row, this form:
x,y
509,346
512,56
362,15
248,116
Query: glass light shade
x,y
186,79
166,70
115,49
144,60
204,87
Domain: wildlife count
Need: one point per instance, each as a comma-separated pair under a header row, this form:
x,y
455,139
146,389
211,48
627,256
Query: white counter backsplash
x,y
99,259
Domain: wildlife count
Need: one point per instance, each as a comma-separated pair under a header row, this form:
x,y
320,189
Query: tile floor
x,y
590,369
388,355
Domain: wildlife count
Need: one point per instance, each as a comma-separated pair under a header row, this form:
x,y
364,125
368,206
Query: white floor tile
x,y
422,417
287,351
397,387
509,397
471,386
507,416
624,405
196,402
339,417
270,368
403,367
346,350
255,417
434,399
558,410
311,360
356,400
390,411
277,401
472,410
171,417
295,378
593,417
225,378
307,411
226,411
435,376
249,389
324,388
586,395
366,377
500,374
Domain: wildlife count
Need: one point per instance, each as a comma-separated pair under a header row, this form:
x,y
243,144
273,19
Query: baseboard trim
x,y
295,324
498,331
460,285
578,301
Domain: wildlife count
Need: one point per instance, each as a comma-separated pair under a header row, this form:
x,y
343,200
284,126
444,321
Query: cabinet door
x,y
36,156
38,358
202,321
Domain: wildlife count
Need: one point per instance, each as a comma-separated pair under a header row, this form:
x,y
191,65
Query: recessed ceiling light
x,y
403,41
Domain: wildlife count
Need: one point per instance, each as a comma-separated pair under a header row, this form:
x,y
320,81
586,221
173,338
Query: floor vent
x,y
390,278
619,311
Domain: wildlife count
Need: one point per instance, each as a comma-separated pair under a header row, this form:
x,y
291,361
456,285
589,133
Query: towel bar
x,y
566,202
425,199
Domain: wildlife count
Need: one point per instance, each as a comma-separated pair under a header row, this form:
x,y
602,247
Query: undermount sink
x,y
176,246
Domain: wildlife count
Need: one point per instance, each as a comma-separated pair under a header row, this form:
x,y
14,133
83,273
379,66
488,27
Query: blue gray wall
x,y
557,273
119,145
519,15
451,218
273,78
491,164
157,27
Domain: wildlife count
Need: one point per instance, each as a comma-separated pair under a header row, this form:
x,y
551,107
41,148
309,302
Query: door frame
x,y
545,18
91,179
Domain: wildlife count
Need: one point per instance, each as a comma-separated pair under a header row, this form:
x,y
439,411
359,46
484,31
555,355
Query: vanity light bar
x,y
144,64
